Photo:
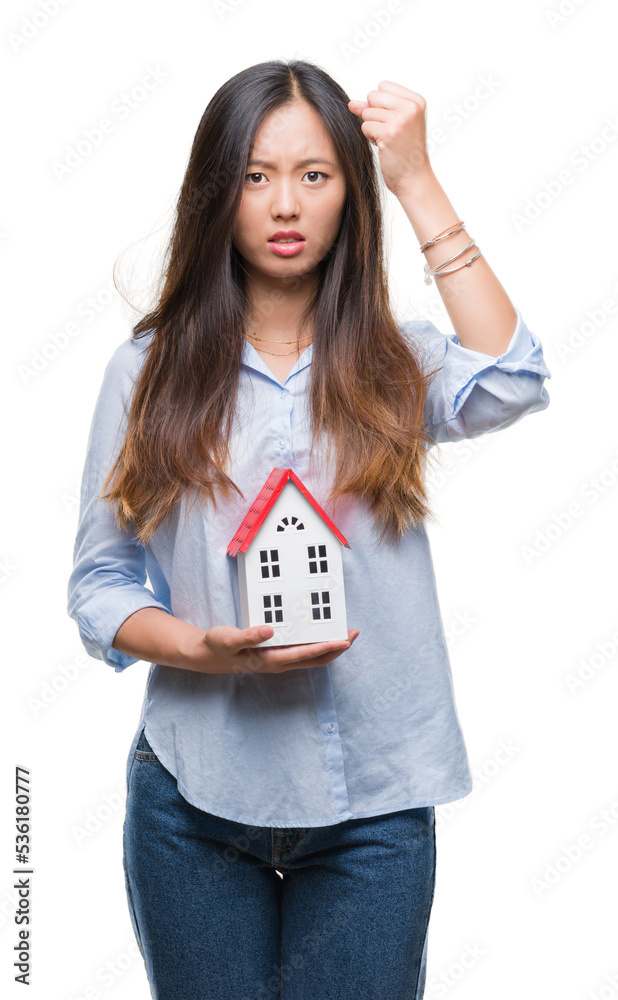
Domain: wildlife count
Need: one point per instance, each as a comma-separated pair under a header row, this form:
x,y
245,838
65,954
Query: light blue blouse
x,y
377,729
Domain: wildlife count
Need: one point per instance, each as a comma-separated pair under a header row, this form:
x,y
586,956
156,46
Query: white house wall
x,y
296,583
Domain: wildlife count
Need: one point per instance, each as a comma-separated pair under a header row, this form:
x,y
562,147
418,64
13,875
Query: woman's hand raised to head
x,y
394,121
229,650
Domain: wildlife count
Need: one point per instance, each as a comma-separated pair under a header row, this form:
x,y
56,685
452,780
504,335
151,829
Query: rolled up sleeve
x,y
107,583
474,393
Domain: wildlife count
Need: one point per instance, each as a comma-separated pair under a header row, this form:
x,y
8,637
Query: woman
x,y
279,834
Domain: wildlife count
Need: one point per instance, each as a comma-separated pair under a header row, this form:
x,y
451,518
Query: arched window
x,y
290,523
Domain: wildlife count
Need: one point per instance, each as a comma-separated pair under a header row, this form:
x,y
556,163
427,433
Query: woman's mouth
x,y
286,247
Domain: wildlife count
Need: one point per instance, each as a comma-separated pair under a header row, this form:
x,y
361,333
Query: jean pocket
x,y
143,750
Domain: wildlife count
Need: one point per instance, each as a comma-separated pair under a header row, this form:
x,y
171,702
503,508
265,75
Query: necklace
x,y
276,354
265,340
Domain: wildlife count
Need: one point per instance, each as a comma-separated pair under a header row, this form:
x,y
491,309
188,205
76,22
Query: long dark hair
x,y
368,387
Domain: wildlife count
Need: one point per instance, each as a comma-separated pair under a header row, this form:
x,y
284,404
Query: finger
x,y
385,99
333,654
314,661
376,114
294,654
308,650
373,134
254,635
328,657
320,648
319,661
389,86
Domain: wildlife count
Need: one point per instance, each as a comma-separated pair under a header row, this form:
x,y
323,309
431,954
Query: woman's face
x,y
293,182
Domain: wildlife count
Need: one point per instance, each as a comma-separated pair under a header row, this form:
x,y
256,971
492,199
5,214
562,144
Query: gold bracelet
x,y
443,235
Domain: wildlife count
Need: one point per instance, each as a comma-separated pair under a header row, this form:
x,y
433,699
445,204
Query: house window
x,y
273,605
318,563
320,605
290,523
269,563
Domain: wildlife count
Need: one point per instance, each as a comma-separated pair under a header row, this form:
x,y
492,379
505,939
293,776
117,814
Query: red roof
x,y
262,504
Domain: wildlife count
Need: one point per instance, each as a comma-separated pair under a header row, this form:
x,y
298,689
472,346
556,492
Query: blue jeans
x,y
214,919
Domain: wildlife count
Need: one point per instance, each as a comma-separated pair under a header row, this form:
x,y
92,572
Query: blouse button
x,y
329,727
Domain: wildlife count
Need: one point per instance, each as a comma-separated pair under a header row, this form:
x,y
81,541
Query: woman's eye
x,y
310,173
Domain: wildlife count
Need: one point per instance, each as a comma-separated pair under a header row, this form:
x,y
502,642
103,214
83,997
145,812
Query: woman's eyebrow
x,y
301,163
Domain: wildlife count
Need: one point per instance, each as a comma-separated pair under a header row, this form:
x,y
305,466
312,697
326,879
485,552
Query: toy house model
x,y
290,570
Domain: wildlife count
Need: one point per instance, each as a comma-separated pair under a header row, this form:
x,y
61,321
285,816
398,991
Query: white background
x,y
513,916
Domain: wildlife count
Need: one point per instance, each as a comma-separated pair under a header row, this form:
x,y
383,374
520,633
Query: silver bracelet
x,y
429,271
438,273
454,257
